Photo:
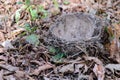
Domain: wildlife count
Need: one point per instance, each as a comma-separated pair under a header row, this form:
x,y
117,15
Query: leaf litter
x,y
20,60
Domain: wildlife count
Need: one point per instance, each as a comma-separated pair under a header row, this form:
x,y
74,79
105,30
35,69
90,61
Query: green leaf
x,y
52,49
19,2
33,29
17,15
58,56
66,2
33,39
27,2
33,13
56,3
42,10
27,27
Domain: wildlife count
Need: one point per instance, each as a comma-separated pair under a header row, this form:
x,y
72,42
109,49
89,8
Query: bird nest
x,y
74,32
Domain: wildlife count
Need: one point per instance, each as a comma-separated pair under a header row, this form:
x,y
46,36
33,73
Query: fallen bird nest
x,y
75,32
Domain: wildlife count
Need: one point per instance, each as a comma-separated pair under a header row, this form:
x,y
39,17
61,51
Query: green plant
x,y
17,15
56,3
33,39
58,57
66,2
43,11
52,49
33,11
58,54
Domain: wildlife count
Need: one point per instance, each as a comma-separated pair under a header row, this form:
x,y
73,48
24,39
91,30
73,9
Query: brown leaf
x,y
99,71
36,62
1,75
21,74
8,67
3,58
67,68
115,43
75,1
2,38
117,29
42,68
1,50
113,48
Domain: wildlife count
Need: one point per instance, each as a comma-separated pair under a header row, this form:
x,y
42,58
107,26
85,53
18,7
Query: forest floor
x,y
24,55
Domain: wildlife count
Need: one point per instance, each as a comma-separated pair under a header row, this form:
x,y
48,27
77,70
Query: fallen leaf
x,y
21,74
113,67
1,50
36,62
16,32
99,71
2,38
95,59
3,58
1,75
67,68
7,45
8,67
10,77
109,3
42,68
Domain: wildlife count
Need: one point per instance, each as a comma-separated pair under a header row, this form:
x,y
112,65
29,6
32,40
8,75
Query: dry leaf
x,y
2,38
8,67
42,68
3,58
75,1
109,3
115,44
36,62
117,29
99,71
95,59
7,45
113,67
10,77
1,75
1,50
113,48
67,68
16,32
